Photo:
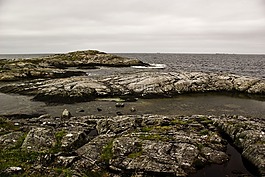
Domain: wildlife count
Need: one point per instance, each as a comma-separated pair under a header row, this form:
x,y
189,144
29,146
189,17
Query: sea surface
x,y
247,65
187,104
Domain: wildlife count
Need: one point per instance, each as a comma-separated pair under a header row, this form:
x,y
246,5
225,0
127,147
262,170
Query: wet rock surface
x,y
248,135
147,145
143,84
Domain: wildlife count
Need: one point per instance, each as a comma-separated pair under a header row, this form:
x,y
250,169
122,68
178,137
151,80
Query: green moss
x,y
20,141
8,126
151,137
137,151
58,146
17,157
200,146
95,174
65,172
107,152
59,135
204,132
135,154
146,129
206,122
179,122
163,128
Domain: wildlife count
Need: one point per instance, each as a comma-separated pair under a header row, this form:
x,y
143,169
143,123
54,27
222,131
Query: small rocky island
x,y
124,145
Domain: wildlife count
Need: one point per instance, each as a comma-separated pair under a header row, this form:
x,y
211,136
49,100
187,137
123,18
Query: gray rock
x,y
247,134
145,84
116,124
65,161
75,138
39,139
13,170
214,156
10,140
66,114
150,145
92,151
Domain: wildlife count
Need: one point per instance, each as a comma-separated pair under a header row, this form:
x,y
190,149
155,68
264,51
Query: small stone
x,y
66,114
45,116
82,110
13,170
119,105
66,161
133,109
118,113
99,109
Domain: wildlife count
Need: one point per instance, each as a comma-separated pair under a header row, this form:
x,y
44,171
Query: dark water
x,y
233,168
210,104
249,65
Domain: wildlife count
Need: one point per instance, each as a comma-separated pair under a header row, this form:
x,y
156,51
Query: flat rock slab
x,y
143,84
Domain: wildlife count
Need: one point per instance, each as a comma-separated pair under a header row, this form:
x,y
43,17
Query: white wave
x,y
151,66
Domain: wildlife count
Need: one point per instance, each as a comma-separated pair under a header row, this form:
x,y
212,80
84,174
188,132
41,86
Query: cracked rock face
x,y
145,144
248,134
39,139
145,84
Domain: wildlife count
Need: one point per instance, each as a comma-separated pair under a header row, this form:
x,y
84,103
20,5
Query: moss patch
x,y
204,132
7,126
58,146
107,152
17,157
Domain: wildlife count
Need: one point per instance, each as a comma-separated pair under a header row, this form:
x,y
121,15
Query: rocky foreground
x,y
147,145
142,84
128,145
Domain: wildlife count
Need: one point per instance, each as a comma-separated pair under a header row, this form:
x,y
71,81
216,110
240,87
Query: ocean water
x,y
15,56
247,65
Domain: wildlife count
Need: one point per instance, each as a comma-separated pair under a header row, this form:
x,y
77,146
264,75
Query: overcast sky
x,y
186,26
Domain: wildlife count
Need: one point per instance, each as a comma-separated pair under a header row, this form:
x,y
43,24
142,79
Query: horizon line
x,y
210,53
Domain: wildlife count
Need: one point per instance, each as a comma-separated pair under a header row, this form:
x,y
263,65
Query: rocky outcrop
x,y
248,134
14,70
143,84
91,58
150,145
54,66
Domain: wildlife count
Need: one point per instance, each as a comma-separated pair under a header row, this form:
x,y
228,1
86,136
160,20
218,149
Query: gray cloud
x,y
234,26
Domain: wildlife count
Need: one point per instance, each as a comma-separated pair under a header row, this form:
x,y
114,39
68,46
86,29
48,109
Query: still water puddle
x,y
235,167
205,103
